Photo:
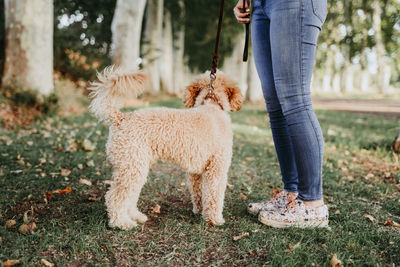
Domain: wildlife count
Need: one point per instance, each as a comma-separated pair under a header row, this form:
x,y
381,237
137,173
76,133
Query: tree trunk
x,y
348,78
29,45
179,56
328,73
167,60
235,67
126,30
254,91
153,40
383,74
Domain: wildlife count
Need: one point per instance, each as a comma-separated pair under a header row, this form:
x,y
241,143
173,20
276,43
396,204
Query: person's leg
x,y
260,27
294,31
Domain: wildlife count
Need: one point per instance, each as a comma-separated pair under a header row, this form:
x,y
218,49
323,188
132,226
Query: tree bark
x,y
29,45
126,30
153,47
383,75
167,60
254,91
180,70
235,67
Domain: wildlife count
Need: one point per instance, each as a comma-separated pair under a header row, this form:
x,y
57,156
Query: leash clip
x,y
213,76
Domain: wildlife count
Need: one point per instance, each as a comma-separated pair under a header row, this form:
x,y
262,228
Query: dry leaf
x,y
242,196
80,166
369,217
88,145
9,263
252,253
292,247
26,219
85,182
230,186
42,160
63,191
46,263
90,163
156,209
10,223
65,172
397,187
236,238
335,262
250,159
391,223
23,229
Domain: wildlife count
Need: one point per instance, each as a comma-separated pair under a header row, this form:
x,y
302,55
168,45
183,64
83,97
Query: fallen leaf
x,y
65,172
236,238
369,217
335,262
85,182
23,229
29,143
80,166
46,263
42,160
230,186
90,163
397,187
9,263
392,223
252,253
292,247
88,145
250,159
242,196
10,223
156,209
26,219
63,191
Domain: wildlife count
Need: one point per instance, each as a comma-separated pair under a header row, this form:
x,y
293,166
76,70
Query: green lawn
x,y
360,177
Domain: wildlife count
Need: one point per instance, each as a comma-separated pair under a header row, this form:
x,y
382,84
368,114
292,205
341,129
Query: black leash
x,y
247,26
215,53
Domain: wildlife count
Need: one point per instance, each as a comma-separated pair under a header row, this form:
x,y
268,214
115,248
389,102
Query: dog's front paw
x,y
124,224
215,222
137,216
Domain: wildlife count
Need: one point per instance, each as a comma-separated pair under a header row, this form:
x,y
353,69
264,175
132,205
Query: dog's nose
x,y
250,205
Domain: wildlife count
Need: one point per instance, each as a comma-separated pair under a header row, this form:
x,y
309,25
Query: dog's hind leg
x,y
194,184
122,197
214,183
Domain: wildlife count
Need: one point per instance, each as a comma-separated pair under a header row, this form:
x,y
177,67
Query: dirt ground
x,y
375,106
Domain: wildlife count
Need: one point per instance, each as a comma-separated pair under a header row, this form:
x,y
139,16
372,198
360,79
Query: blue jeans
x,y
284,38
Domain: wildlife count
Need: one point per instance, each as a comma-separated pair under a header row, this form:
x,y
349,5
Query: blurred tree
x,y
2,38
29,45
82,36
153,44
126,33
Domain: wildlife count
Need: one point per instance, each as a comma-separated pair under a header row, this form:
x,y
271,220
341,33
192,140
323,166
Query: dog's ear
x,y
235,96
190,94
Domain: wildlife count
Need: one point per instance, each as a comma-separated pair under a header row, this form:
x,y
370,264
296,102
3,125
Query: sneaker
x,y
278,201
296,214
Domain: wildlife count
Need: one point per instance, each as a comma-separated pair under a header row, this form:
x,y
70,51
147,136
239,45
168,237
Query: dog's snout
x,y
250,205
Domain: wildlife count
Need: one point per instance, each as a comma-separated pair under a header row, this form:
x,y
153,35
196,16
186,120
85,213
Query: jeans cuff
x,y
309,198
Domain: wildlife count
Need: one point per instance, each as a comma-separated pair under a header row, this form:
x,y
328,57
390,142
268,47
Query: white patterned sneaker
x,y
278,201
296,214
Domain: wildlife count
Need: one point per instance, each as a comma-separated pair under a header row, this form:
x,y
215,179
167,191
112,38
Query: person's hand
x,y
243,18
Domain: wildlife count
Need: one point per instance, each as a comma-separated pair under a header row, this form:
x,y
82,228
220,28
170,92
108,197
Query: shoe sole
x,y
303,224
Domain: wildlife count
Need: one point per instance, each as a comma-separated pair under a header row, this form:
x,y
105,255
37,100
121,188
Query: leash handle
x,y
247,27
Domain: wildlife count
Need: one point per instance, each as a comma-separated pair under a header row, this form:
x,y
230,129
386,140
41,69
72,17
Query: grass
x,y
360,177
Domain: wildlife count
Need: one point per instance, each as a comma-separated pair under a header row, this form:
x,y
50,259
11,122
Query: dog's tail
x,y
111,89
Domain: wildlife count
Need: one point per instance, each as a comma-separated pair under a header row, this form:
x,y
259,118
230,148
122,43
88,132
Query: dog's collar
x,y
211,95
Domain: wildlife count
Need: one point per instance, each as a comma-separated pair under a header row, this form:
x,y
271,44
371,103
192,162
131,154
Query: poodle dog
x,y
198,139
